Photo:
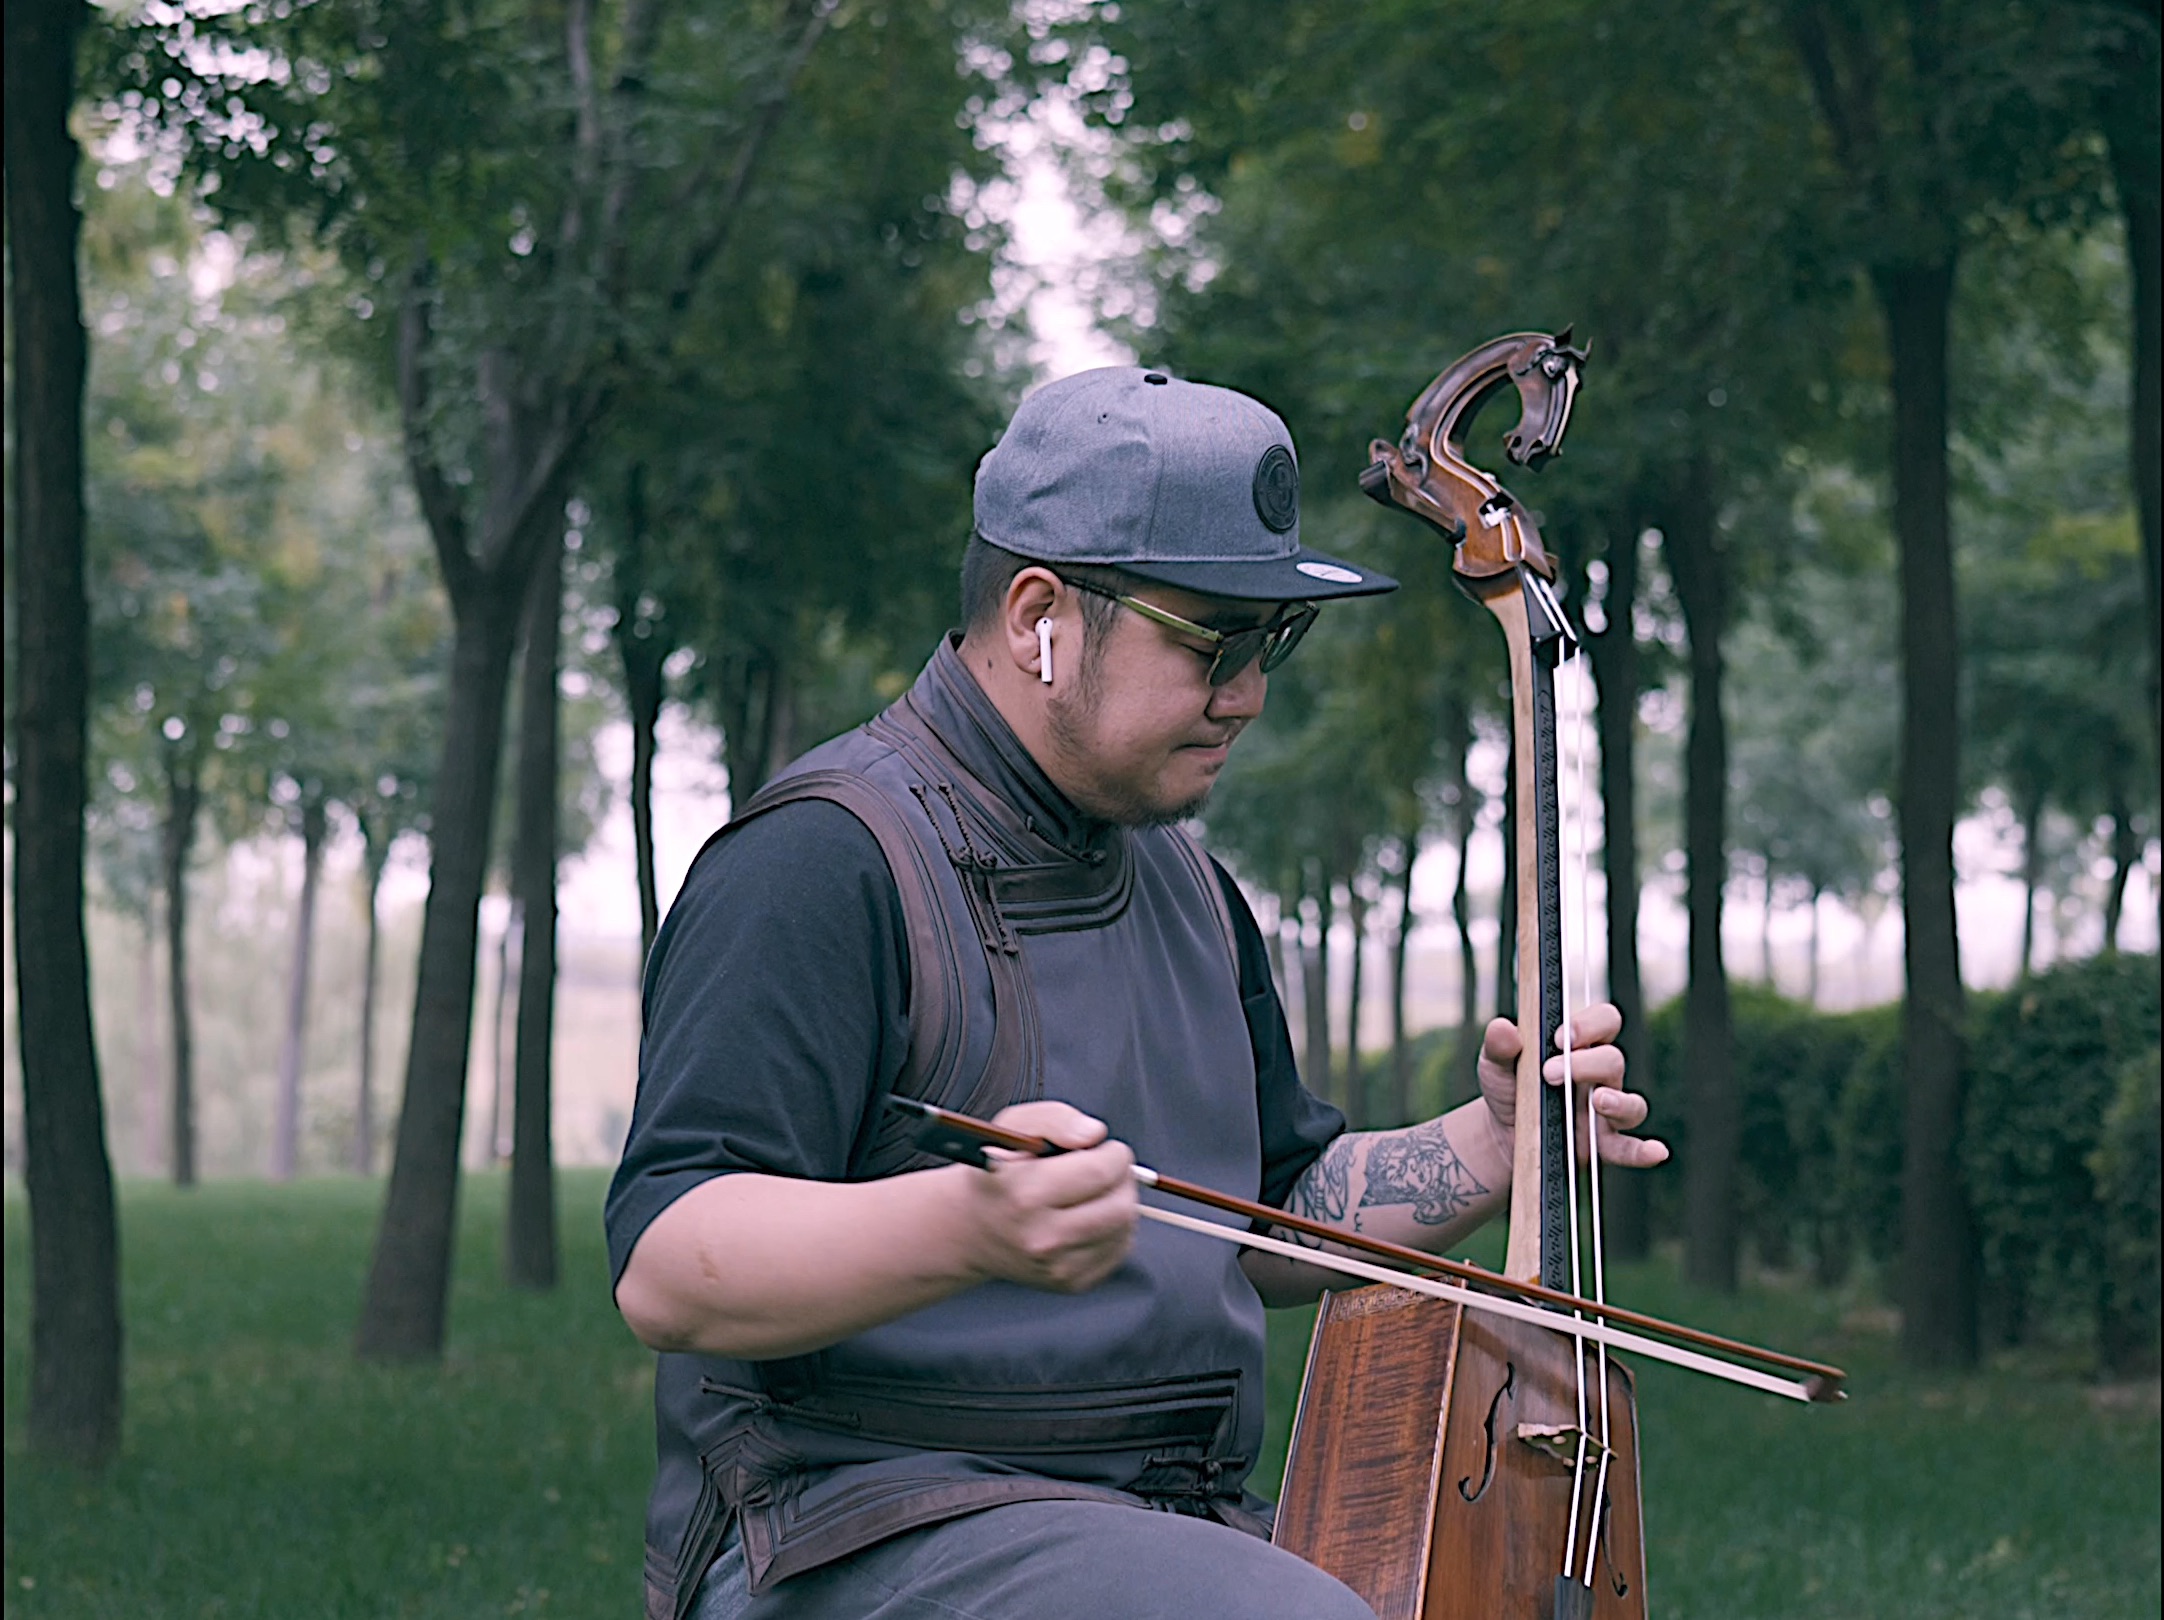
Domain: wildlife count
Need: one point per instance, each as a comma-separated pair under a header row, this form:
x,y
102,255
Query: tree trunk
x,y
529,1255
183,802
2032,816
74,1410
1464,1074
495,1149
643,692
643,652
780,725
1401,1054
2125,851
754,704
286,1134
1765,929
1614,652
149,1048
409,1273
1315,996
1811,994
535,423
1356,1080
1938,1290
374,851
1699,569
2130,116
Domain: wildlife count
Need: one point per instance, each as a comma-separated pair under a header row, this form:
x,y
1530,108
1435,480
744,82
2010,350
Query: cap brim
x,y
1307,576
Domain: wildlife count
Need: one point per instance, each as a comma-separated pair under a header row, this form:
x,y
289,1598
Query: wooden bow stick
x,y
963,1138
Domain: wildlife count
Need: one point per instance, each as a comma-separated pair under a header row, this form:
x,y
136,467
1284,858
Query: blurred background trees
x,y
470,390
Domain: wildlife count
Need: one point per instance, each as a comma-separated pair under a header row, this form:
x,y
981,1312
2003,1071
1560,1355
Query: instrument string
x,y
1571,827
1599,1243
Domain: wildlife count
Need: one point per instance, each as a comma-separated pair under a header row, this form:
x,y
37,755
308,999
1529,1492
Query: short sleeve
x,y
775,1012
1296,1124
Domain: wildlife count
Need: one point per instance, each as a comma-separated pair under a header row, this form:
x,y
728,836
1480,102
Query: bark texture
x,y
183,804
1700,570
75,1343
530,1230
1614,655
1401,1057
374,851
286,1132
1938,1294
2129,113
409,1275
643,650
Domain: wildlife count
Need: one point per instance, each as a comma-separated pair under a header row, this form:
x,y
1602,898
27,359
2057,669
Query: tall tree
x,y
1705,585
2128,108
1933,116
1612,651
313,822
75,1347
561,205
530,1226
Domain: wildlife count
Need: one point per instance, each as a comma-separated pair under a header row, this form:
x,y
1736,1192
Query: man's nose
x,y
1240,698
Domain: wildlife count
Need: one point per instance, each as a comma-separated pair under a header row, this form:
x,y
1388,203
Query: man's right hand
x,y
758,1266
1063,1222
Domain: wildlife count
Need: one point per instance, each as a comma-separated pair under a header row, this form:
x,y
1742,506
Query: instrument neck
x,y
1537,638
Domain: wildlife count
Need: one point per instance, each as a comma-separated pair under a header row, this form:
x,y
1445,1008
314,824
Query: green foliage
x,y
266,619
2128,1176
2058,1145
2045,1067
1819,1156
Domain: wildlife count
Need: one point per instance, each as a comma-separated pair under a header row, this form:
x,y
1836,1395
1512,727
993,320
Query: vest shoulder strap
x,y
931,1069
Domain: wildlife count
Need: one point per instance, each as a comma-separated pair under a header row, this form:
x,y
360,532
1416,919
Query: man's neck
x,y
1019,698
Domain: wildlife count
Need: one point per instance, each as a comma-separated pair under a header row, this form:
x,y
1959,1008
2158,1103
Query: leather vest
x,y
1048,956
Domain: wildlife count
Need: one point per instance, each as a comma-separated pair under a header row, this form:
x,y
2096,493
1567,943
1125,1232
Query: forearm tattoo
x,y
1415,1168
1321,1194
1418,1166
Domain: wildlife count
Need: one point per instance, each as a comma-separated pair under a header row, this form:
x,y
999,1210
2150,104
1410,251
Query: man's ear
x,y
1033,594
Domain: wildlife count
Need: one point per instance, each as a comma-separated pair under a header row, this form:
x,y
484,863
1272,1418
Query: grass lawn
x,y
267,1475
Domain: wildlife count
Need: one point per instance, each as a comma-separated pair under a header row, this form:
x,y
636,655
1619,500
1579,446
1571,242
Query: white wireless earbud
x,y
1044,651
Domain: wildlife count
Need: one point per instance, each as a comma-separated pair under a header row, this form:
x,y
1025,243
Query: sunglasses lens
x,y
1237,651
1285,637
1273,642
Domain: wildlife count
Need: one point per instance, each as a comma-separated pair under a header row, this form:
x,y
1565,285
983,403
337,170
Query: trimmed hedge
x,y
2125,1165
2045,1062
2059,1145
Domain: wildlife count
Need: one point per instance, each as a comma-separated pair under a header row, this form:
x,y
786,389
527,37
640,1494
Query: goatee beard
x,y
1071,720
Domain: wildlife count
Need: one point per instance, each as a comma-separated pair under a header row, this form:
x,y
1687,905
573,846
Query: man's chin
x,y
1171,815
1133,808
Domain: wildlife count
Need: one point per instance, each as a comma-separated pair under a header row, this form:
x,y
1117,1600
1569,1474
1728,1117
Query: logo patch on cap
x,y
1277,489
1328,571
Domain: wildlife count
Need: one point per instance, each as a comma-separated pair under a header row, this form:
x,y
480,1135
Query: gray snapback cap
x,y
1179,482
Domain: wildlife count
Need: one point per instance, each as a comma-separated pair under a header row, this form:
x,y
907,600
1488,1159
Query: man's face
x,y
1142,734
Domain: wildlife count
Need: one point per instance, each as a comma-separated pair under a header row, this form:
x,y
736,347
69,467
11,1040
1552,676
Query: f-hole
x,y
1607,1546
1487,1473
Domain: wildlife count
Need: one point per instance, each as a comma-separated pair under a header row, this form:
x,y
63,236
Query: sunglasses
x,y
1234,650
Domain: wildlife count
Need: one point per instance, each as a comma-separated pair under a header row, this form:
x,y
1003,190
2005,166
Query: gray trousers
x,y
1045,1561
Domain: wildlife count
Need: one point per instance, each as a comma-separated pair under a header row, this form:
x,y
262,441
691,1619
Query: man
x,y
893,1388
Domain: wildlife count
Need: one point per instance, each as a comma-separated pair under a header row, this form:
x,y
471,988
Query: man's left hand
x,y
1596,1066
